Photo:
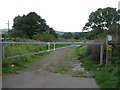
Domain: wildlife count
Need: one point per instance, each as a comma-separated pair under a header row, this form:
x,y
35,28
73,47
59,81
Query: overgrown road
x,y
38,77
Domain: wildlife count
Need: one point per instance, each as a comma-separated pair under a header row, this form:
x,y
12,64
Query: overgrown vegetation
x,y
106,77
17,64
31,26
13,50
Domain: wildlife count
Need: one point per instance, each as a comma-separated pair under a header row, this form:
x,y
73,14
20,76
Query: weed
x,y
105,77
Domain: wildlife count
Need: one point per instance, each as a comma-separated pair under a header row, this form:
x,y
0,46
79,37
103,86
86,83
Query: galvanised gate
x,y
71,44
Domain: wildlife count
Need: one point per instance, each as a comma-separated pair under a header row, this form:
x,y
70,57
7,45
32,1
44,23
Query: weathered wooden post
x,y
108,49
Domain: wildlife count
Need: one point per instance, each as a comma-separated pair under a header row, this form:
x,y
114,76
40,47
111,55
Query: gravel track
x,y
38,77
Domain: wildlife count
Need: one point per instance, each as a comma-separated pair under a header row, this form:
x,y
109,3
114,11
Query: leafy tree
x,y
45,36
30,25
51,31
67,35
4,35
102,19
17,33
76,36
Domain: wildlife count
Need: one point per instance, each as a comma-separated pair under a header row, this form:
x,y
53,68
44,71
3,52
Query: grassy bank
x,y
105,77
17,64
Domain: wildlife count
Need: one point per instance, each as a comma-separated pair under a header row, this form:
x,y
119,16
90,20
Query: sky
x,y
61,15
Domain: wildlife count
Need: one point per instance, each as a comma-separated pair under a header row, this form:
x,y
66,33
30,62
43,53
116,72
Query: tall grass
x,y
15,64
106,77
13,50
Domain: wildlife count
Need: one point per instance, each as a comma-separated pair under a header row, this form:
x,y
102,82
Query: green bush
x,y
45,36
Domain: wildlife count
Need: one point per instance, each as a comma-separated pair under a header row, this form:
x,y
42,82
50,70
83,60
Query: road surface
x,y
38,77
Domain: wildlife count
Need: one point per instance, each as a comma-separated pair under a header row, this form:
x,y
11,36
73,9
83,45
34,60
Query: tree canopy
x,y
30,25
67,35
102,19
76,35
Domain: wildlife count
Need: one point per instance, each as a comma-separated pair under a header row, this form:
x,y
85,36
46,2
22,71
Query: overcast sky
x,y
62,15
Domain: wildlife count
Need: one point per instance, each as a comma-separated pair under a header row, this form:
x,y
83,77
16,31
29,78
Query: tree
x,y
45,36
30,24
76,36
102,19
67,35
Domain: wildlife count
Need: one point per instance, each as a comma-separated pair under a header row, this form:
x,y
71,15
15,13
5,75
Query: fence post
x,y
1,51
48,46
101,53
54,47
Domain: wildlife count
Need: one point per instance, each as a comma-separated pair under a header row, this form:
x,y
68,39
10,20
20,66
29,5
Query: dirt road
x,y
37,77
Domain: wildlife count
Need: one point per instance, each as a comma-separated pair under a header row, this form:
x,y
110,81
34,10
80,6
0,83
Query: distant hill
x,y
3,31
61,33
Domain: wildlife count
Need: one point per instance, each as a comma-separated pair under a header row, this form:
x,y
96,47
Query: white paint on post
x,y
48,46
109,37
101,53
54,47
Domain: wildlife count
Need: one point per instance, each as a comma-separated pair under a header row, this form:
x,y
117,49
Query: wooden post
x,y
108,49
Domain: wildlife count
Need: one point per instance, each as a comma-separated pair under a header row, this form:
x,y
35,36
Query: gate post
x,y
1,57
101,53
1,51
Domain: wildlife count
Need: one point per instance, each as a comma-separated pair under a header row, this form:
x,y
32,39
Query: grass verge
x,y
106,77
17,64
